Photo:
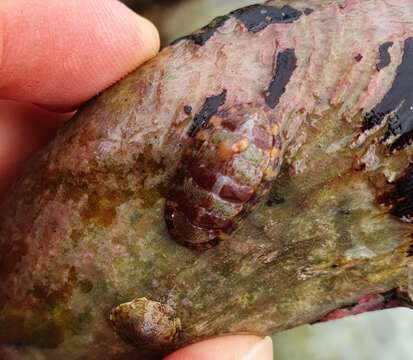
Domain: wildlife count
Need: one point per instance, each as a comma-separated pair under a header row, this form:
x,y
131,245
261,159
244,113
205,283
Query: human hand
x,y
55,55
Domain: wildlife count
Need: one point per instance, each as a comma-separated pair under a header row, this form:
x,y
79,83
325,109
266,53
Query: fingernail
x,y
262,350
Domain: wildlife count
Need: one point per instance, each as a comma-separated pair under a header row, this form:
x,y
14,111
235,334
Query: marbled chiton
x,y
225,171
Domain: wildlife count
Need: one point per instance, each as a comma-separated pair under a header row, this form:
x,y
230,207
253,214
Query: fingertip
x,y
60,54
130,38
262,350
239,347
149,38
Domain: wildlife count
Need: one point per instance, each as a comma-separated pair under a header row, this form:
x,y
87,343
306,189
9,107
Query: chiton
x,y
225,171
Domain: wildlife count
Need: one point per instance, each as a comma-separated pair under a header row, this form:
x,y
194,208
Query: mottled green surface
x,y
272,269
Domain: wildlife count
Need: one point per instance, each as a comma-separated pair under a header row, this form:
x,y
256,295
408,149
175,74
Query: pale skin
x,y
54,56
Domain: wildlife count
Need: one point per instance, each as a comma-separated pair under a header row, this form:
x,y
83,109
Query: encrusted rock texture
x,y
83,228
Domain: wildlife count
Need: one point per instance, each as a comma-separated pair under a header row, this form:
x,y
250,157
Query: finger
x,y
239,347
23,128
61,53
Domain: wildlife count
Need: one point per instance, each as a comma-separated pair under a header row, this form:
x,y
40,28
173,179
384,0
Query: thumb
x,y
59,54
237,347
